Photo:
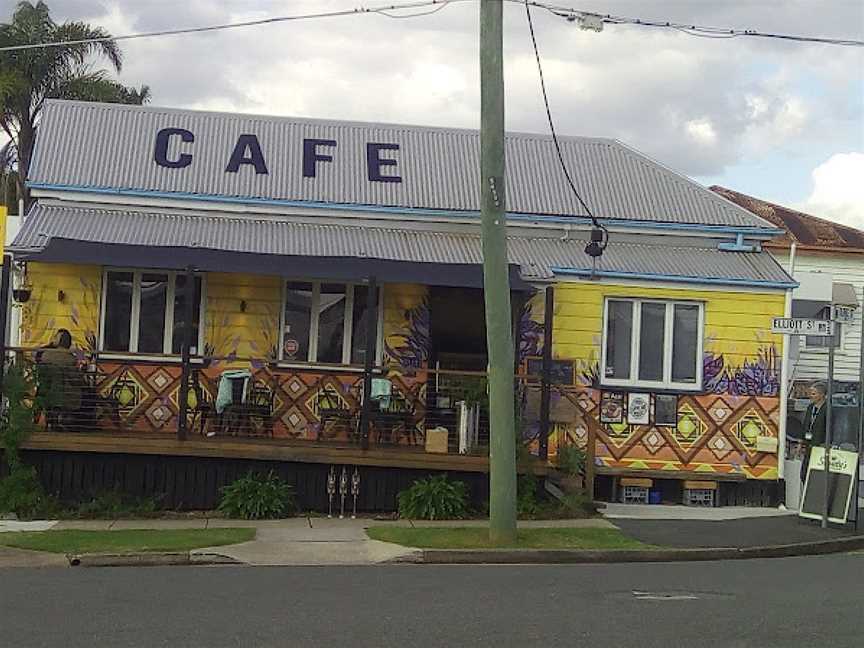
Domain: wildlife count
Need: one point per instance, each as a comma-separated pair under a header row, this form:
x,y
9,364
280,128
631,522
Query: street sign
x,y
844,314
800,326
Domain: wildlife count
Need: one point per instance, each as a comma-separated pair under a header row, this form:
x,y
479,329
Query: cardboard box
x,y
436,440
766,444
700,485
637,481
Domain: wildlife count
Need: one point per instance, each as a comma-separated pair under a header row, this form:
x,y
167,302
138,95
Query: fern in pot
x,y
570,462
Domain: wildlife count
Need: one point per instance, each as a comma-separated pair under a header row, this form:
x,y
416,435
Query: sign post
x,y
828,432
860,418
815,328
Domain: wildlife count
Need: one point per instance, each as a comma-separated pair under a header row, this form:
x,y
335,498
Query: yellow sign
x,y
2,231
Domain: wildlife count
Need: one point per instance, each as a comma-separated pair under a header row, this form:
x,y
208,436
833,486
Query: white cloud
x,y
702,131
838,190
700,106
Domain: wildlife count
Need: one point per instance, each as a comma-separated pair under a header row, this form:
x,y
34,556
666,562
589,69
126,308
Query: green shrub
x,y
22,494
114,504
20,491
526,495
257,497
571,460
577,505
434,498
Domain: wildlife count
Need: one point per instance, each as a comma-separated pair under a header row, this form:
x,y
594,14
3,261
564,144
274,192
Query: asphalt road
x,y
744,532
797,602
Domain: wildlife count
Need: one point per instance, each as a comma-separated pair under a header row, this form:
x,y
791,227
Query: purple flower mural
x,y
411,349
758,377
530,334
590,375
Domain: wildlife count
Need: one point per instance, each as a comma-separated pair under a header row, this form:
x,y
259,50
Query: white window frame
x,y
666,382
347,323
135,315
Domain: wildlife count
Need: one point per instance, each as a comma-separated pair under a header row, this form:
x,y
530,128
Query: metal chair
x,y
391,414
332,408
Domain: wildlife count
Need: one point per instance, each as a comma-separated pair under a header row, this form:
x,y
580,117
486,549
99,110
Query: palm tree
x,y
9,177
31,76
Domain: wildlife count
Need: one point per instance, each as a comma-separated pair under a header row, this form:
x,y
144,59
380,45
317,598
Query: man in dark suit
x,y
814,423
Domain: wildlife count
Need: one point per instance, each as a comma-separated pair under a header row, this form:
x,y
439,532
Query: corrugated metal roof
x,y
535,255
111,146
803,229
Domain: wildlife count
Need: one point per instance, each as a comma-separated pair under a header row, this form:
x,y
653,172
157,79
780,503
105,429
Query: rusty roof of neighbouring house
x,y
804,229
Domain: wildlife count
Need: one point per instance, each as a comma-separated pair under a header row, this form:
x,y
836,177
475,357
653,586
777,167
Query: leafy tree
x,y
28,77
9,177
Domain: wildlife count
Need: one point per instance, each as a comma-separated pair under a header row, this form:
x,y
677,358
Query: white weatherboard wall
x,y
812,363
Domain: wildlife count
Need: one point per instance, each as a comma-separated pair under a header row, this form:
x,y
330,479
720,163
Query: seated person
x,y
60,380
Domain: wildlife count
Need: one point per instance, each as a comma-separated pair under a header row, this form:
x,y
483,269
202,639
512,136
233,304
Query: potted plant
x,y
570,462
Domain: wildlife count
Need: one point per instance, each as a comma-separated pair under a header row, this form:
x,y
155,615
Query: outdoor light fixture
x,y
22,293
61,296
242,305
597,244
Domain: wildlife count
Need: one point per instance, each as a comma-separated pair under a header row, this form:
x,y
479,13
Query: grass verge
x,y
478,538
125,540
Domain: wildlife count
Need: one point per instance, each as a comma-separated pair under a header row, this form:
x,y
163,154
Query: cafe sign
x,y
381,166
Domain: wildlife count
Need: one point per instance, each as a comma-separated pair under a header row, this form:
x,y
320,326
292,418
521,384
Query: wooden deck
x,y
263,449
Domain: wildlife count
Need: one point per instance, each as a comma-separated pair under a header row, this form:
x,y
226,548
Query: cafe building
x,y
306,295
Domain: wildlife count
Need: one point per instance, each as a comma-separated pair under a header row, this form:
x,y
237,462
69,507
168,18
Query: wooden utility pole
x,y
496,278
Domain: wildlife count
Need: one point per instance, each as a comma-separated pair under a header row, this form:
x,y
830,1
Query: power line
x,y
591,20
382,10
586,19
594,221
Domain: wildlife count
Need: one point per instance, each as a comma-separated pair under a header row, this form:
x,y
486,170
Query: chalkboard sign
x,y
562,372
840,485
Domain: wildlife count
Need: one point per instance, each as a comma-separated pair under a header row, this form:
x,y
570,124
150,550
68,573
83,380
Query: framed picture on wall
x,y
639,409
612,407
666,410
561,372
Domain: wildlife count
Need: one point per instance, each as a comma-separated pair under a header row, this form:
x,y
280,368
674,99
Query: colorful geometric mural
x,y
718,430
715,435
286,403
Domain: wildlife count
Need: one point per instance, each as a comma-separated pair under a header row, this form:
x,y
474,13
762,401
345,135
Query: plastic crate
x,y
699,497
634,495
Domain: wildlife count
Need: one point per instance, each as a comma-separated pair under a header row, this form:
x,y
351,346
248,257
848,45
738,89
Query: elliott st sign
x,y
800,326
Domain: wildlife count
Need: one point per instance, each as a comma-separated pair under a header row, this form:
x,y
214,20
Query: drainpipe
x,y
784,375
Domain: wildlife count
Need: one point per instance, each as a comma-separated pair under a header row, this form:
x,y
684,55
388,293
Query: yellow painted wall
x,y
406,308
78,311
737,336
737,324
228,330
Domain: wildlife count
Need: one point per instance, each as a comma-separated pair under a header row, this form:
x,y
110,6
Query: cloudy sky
x,y
778,120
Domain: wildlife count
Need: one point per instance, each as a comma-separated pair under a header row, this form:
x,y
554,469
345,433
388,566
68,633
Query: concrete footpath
x,y
685,533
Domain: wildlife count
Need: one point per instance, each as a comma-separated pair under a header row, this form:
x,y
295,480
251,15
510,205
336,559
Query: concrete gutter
x,y
579,556
149,559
